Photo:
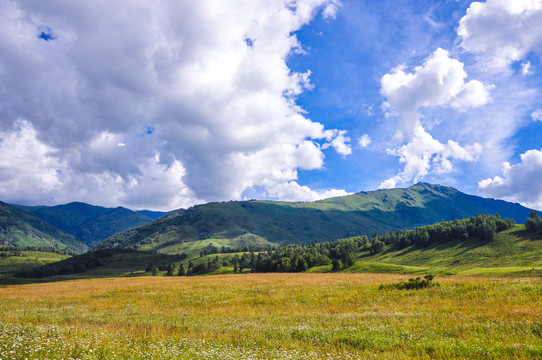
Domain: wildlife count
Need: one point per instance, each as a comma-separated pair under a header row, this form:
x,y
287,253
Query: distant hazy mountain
x,y
18,228
91,224
153,214
236,223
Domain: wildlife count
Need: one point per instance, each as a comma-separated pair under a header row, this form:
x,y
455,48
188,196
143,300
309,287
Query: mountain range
x,y
20,229
91,224
261,223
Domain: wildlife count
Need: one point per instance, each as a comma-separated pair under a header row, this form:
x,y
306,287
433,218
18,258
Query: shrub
x,y
413,284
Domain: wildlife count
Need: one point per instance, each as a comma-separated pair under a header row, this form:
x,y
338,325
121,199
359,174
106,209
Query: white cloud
x,y
338,141
526,68
390,183
502,31
32,171
423,153
439,82
520,182
330,11
292,191
364,140
26,164
222,108
537,115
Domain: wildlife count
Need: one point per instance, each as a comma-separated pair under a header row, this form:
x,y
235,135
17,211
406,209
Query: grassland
x,y
290,316
513,252
27,261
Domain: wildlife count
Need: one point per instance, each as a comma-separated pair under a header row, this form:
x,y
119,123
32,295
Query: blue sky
x,y
349,55
166,105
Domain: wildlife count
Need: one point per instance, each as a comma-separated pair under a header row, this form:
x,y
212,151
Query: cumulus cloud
x,y
502,31
364,140
84,86
339,141
292,191
440,81
520,182
423,153
29,169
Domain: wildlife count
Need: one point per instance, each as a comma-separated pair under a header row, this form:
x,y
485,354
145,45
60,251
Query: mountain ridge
x,y
234,223
20,229
90,223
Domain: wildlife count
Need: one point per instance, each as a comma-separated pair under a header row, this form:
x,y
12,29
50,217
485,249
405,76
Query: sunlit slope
x,y
26,260
260,222
19,229
514,251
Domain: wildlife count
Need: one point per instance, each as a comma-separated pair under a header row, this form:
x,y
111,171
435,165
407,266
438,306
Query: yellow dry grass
x,y
281,315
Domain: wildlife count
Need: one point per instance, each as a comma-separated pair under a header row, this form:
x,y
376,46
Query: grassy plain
x,y
261,316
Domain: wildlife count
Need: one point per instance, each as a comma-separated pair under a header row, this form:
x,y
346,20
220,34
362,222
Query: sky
x,y
165,104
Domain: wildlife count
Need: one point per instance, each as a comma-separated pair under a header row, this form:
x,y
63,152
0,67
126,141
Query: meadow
x,y
27,260
264,316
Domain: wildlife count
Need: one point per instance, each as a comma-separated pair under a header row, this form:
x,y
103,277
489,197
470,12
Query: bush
x,y
413,284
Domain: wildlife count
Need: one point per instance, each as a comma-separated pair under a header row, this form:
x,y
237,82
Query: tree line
x,y
485,227
342,253
10,248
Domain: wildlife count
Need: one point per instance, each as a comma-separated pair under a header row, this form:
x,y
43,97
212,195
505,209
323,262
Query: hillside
x,y
91,224
19,229
512,252
15,261
260,223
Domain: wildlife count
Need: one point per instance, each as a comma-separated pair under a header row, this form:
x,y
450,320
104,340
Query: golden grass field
x,y
265,316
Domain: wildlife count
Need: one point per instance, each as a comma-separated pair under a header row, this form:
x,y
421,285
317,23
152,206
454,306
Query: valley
x,y
239,280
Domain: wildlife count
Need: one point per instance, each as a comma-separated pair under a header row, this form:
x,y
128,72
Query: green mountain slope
x,y
20,229
513,252
97,228
90,224
15,261
240,223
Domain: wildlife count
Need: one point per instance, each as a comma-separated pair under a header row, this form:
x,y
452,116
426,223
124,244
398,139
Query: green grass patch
x,y
320,269
383,268
28,260
503,271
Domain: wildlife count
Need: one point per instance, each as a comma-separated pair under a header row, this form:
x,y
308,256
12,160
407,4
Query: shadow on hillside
x,y
522,233
463,245
114,263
